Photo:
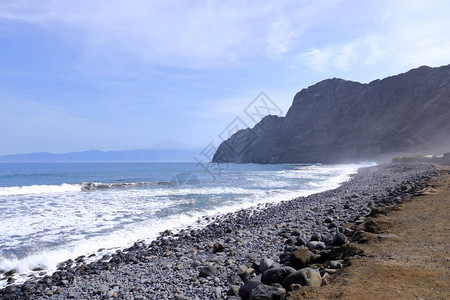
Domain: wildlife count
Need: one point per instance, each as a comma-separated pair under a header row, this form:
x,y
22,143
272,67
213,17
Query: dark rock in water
x,y
300,258
9,273
38,269
247,288
276,275
339,239
10,280
304,277
265,292
208,271
367,122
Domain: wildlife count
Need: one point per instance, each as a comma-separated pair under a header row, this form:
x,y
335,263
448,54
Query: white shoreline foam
x,y
150,229
39,189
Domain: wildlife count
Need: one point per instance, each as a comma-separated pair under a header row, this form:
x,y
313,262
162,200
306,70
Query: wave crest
x,y
92,186
39,189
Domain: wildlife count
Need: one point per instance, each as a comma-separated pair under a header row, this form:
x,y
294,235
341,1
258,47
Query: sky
x,y
112,75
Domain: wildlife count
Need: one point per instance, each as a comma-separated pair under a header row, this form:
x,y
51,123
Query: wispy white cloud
x,y
214,33
410,34
365,51
279,37
317,59
161,32
175,33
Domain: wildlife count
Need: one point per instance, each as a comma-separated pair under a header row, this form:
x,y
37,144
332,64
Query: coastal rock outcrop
x,y
337,121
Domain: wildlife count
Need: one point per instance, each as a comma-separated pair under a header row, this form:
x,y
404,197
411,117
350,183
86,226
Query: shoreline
x,y
196,219
169,267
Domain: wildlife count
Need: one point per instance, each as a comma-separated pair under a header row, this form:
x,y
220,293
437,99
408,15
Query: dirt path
x,y
412,261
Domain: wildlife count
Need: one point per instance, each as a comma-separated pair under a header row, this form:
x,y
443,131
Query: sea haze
x,y
50,212
138,155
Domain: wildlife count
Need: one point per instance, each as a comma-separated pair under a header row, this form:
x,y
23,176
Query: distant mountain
x,y
141,155
337,120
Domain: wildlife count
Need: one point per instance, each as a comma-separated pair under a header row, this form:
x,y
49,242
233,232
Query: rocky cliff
x,y
337,121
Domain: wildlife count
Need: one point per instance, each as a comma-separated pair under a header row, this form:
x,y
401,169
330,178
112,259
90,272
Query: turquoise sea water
x,y
56,211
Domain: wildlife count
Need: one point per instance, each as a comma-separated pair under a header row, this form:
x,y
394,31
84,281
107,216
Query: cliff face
x,y
340,121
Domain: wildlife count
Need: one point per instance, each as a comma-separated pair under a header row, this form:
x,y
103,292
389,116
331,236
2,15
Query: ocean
x,y
52,212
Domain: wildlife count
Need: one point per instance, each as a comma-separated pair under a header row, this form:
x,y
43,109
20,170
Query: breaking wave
x,y
91,186
68,187
39,189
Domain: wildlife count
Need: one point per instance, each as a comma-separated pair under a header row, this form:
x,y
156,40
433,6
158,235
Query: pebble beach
x,y
256,253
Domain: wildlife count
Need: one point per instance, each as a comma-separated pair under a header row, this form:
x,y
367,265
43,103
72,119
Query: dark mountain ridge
x,y
338,121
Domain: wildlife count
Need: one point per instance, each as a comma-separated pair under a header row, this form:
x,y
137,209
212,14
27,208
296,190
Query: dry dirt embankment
x,y
408,257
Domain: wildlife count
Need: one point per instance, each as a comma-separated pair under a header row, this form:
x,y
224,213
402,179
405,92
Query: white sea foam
x,y
39,189
48,260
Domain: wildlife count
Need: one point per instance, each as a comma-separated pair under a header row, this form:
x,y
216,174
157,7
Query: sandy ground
x,y
407,259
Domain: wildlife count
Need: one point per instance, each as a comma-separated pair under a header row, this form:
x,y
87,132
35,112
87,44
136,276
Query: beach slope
x,y
411,259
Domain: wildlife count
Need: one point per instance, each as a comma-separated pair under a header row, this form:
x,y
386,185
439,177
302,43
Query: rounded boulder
x,y
276,275
265,292
304,277
300,258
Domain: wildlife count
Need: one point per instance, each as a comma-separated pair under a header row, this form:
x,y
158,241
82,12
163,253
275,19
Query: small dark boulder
x,y
218,247
300,241
265,292
316,237
339,239
333,264
208,271
300,258
233,290
247,288
328,220
276,275
265,264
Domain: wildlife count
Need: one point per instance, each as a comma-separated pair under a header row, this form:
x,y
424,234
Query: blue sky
x,y
112,75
